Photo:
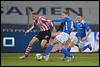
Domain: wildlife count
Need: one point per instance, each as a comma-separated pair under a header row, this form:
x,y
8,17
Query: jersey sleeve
x,y
59,20
87,27
42,18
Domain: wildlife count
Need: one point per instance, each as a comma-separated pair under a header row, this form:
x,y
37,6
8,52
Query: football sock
x,y
28,50
48,50
66,52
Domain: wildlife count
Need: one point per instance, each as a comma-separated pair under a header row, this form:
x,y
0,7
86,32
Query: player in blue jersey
x,y
81,39
62,37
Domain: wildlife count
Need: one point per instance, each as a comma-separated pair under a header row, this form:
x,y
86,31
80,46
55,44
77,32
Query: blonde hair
x,y
34,12
65,12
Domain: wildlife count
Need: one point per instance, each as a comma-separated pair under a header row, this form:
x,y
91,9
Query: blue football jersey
x,y
68,24
81,28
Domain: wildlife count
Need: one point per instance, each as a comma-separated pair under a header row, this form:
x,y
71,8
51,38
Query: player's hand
x,y
26,32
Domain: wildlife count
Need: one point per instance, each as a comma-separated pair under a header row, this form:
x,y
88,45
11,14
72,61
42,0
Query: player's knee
x,y
33,41
43,43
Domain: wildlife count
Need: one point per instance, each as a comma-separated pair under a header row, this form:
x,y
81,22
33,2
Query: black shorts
x,y
44,35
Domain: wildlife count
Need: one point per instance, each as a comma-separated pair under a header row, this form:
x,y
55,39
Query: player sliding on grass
x,y
43,36
81,39
62,37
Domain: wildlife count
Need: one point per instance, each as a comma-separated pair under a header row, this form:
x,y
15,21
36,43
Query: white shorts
x,y
62,37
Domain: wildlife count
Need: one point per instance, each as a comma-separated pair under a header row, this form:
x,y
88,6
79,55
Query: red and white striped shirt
x,y
42,22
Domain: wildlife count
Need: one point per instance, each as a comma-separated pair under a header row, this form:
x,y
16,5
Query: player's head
x,y
34,15
64,13
79,18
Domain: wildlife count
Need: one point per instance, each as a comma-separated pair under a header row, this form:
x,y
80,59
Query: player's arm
x,y
88,33
88,30
59,20
52,24
30,29
56,20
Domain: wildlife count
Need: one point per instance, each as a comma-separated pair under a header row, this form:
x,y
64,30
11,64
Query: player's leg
x,y
48,50
59,38
69,43
86,45
70,57
45,37
56,47
43,43
75,41
67,54
66,50
49,47
29,48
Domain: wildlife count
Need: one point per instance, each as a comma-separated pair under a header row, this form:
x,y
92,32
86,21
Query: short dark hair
x,y
80,15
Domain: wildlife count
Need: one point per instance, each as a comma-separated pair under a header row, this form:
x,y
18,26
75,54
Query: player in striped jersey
x,y
43,35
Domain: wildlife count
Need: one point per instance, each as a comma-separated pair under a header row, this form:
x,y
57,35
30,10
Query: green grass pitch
x,y
81,59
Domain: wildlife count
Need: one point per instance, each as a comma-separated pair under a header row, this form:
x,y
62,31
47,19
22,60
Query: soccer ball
x,y
38,56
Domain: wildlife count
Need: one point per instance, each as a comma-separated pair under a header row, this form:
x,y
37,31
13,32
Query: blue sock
x,y
85,47
66,52
69,49
48,50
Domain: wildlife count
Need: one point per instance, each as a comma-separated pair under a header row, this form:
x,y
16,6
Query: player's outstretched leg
x,y
26,52
47,52
87,46
29,48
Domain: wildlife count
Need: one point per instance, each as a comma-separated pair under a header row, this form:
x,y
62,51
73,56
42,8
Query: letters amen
x,y
53,10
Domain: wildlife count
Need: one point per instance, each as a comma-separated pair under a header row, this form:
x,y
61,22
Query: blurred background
x,y
16,18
